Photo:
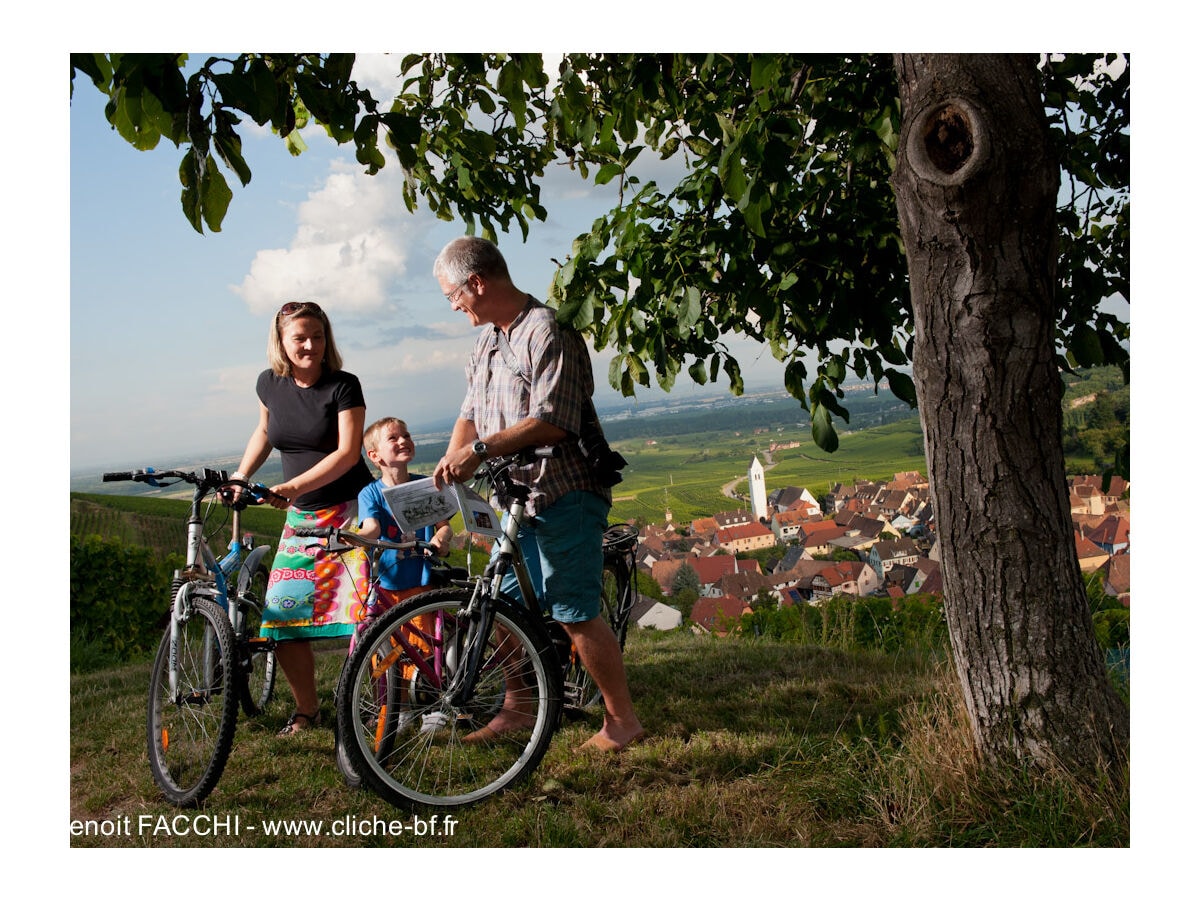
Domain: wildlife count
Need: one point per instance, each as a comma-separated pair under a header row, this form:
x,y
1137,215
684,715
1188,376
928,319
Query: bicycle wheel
x,y
406,734
579,690
257,663
189,729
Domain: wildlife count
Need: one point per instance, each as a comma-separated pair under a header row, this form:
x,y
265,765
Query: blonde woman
x,y
311,411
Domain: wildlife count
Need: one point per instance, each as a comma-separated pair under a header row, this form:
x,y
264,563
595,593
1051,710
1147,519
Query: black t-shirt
x,y
303,427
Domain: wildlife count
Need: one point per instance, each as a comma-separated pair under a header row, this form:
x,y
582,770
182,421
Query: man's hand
x,y
456,466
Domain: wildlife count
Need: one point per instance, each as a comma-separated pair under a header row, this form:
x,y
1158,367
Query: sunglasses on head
x,y
291,309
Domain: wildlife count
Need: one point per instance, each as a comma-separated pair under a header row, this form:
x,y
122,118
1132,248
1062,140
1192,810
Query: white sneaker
x,y
431,722
404,720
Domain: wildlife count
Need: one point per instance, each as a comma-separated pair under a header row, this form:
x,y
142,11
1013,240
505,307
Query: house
x,y
854,578
929,577
745,538
786,525
815,536
835,499
794,499
735,517
1091,557
663,571
746,585
715,615
1116,578
650,613
886,554
712,568
932,583
902,577
1111,535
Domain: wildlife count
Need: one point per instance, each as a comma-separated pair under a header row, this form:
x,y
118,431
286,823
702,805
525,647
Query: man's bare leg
x,y
601,656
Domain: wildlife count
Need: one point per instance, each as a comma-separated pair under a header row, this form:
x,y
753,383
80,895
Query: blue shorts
x,y
564,552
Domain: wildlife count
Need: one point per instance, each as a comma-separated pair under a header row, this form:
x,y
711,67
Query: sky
x,y
134,336
168,327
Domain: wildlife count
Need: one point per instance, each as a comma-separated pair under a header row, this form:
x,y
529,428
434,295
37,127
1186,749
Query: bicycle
x,y
428,674
210,659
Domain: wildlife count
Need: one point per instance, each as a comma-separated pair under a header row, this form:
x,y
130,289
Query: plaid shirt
x,y
553,386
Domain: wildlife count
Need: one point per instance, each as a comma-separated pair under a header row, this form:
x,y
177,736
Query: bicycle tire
x,y
392,745
189,733
580,692
257,665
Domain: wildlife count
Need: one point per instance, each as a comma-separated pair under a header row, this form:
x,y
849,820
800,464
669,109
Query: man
x,y
534,394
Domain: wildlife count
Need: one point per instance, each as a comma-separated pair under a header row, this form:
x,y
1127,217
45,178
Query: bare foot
x,y
605,742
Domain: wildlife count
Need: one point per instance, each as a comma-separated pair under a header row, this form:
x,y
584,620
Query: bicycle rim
x,y
190,730
257,664
405,736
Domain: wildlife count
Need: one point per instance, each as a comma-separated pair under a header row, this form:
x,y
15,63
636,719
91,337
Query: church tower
x,y
758,490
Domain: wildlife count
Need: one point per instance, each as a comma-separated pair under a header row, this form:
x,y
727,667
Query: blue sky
x,y
184,317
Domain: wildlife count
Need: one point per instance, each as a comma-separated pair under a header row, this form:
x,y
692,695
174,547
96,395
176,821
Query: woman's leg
x,y
299,667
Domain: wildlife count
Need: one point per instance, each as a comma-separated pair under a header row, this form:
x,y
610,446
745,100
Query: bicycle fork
x,y
477,618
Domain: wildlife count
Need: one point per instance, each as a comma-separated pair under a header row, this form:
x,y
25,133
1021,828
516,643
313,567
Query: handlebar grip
x,y
260,492
117,476
529,454
324,531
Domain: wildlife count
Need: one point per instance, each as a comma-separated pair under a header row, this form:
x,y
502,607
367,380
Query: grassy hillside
x,y
753,744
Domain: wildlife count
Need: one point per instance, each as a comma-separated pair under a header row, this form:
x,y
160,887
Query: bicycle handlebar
x,y
344,539
208,479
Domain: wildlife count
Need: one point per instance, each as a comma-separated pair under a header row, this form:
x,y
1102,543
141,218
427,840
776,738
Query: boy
x,y
390,447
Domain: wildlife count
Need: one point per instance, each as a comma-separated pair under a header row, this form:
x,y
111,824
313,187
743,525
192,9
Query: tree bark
x,y
976,184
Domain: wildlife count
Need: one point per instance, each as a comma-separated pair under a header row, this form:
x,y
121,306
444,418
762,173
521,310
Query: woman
x,y
312,412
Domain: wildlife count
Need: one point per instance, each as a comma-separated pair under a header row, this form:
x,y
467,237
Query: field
x,y
686,473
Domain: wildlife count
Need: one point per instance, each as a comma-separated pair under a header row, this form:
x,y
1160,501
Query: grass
x,y
754,744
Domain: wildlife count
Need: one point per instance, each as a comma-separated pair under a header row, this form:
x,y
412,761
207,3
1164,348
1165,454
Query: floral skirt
x,y
314,593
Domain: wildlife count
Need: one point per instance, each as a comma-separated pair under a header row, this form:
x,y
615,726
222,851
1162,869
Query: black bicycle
x,y
426,678
210,660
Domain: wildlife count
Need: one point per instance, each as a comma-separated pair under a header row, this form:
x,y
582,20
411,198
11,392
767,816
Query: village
x,y
861,539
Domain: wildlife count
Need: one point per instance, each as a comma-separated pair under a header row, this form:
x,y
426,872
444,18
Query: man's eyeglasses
x,y
454,293
296,307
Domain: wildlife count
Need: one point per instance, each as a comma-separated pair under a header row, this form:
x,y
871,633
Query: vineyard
x,y
161,524
686,474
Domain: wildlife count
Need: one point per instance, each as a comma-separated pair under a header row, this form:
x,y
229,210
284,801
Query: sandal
x,y
294,725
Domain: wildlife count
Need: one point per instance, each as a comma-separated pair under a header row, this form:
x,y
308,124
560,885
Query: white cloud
x,y
349,248
379,73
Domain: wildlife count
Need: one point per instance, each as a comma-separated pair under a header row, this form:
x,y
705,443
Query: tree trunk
x,y
976,186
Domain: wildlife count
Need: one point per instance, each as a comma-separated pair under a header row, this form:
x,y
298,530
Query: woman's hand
x,y
282,495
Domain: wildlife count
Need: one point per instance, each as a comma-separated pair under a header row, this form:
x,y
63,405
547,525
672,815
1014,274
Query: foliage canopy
x,y
781,226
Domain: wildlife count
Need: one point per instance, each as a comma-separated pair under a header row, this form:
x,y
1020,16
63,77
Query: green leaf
x,y
902,386
608,172
229,147
190,196
823,433
732,175
214,195
1086,347
793,379
689,311
295,143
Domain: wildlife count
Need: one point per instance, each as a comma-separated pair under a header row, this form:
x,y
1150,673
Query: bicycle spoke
x,y
190,730
407,736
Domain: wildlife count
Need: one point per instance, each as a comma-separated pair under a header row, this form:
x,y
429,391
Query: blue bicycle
x,y
211,658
